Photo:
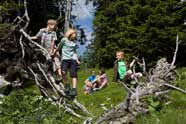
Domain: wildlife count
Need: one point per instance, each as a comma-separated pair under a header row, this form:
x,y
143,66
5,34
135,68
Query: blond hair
x,y
69,32
121,53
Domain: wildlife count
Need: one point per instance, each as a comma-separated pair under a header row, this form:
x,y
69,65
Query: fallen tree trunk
x,y
157,84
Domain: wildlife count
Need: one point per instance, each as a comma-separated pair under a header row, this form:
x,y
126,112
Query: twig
x,y
22,46
137,94
174,87
144,65
59,88
126,87
73,112
176,50
162,92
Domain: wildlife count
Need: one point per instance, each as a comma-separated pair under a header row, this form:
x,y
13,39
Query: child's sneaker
x,y
74,92
95,89
67,89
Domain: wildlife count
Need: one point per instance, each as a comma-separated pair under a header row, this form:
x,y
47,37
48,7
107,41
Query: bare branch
x,y
127,88
26,15
45,52
176,50
162,92
22,46
174,87
43,89
45,75
81,107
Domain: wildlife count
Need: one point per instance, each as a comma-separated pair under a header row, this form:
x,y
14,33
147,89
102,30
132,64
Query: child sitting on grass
x,y
88,83
101,80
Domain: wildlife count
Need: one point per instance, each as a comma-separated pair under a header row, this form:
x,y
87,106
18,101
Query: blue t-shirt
x,y
92,78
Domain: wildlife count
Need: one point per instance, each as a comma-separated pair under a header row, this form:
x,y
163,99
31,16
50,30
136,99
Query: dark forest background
x,y
143,28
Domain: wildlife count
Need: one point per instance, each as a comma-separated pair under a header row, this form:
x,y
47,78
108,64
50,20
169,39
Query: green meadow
x,y
26,106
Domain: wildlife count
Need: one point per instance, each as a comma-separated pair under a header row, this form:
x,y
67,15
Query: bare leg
x,y
74,82
103,85
74,90
59,72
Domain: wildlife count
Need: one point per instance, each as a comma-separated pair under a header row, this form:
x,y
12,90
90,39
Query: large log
x,y
157,83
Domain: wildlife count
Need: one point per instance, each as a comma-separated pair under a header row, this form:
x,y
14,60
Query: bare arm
x,y
77,60
52,47
57,49
132,63
34,37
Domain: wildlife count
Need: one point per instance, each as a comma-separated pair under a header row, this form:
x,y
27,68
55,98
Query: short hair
x,y
102,70
121,52
51,22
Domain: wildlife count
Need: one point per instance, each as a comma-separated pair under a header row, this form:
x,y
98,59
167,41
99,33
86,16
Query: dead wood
x,y
157,84
22,60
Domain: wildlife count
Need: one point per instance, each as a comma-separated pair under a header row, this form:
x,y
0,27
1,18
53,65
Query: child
x,y
120,69
101,80
88,83
121,73
69,59
48,37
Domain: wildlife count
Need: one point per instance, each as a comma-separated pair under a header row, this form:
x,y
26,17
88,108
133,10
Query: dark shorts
x,y
70,64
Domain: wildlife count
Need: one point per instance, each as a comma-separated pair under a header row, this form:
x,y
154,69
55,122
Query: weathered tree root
x,y
23,60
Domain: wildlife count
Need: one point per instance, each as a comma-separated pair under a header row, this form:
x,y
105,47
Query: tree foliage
x,y
146,28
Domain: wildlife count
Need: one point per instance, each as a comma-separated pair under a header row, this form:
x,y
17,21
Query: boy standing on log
x,y
48,37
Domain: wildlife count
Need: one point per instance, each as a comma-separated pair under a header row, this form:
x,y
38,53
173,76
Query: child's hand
x,y
129,71
78,62
52,53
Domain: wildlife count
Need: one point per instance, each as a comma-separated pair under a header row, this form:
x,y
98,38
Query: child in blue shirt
x,y
88,83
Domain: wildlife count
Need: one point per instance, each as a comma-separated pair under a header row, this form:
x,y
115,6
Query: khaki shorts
x,y
56,62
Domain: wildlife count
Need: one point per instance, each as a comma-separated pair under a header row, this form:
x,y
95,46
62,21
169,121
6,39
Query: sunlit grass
x,y
98,103
173,113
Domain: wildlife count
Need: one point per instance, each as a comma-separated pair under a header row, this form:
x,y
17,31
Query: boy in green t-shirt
x,y
120,68
121,71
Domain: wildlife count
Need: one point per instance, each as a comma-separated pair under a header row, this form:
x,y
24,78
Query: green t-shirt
x,y
121,69
69,49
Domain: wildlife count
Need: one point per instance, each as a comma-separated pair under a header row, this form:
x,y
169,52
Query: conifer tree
x,y
145,28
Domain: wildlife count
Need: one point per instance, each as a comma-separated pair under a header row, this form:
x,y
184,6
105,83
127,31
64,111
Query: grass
x,y
173,113
110,96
